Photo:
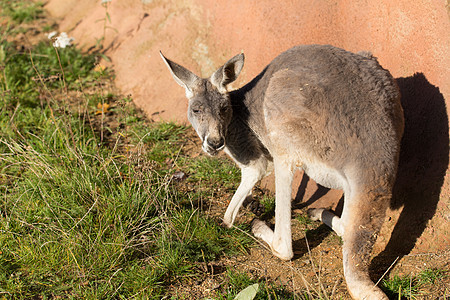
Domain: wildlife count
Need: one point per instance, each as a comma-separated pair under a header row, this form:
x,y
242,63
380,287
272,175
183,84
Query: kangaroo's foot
x,y
362,288
315,214
328,218
280,245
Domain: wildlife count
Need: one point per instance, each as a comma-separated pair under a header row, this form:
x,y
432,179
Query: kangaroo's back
x,y
330,104
350,92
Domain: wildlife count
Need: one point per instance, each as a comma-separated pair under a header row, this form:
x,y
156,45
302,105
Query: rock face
x,y
408,37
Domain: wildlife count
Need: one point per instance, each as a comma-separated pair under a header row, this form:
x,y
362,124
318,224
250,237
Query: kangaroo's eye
x,y
196,111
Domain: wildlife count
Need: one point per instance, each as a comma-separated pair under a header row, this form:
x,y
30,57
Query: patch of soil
x,y
316,267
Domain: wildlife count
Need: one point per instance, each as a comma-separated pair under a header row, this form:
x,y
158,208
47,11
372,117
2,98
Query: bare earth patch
x,y
317,265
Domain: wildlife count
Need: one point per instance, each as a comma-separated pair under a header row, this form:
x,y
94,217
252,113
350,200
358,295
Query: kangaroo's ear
x,y
182,76
228,72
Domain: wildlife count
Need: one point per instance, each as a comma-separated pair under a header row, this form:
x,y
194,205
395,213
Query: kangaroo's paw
x,y
365,291
282,249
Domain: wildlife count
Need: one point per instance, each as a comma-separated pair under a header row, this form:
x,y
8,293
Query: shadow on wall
x,y
424,159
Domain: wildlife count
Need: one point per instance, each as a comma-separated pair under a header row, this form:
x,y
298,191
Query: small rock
x,y
179,176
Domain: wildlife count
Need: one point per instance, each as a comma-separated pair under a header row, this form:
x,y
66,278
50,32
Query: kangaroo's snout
x,y
212,145
216,143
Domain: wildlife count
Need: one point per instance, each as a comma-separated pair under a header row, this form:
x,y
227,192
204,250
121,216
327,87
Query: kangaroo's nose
x,y
215,143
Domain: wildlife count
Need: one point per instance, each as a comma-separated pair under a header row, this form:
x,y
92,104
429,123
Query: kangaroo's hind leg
x,y
328,218
361,219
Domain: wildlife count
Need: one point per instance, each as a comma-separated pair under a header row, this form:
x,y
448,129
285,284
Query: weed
x,y
105,20
403,286
304,220
205,240
269,205
26,75
213,171
430,276
410,287
22,11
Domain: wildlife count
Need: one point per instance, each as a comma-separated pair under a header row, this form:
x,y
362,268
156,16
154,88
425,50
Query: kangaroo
x,y
332,113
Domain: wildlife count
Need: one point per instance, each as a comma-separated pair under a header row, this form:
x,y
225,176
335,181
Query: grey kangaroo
x,y
332,113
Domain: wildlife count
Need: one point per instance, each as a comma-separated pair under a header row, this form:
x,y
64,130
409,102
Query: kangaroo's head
x,y
210,108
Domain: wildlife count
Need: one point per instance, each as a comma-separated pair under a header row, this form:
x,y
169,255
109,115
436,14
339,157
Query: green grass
x,y
83,219
410,287
430,276
21,11
269,204
30,74
402,286
304,220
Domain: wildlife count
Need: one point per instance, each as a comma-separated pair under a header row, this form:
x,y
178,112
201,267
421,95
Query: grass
x,y
402,286
269,204
304,220
21,11
89,209
410,287
84,218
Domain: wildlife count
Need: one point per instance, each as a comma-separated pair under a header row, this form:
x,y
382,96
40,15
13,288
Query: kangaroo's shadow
x,y
424,159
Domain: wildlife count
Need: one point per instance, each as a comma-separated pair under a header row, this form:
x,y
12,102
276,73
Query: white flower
x,y
106,1
52,34
63,40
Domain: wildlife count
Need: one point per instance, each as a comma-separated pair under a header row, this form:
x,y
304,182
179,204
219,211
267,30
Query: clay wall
x,y
407,37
